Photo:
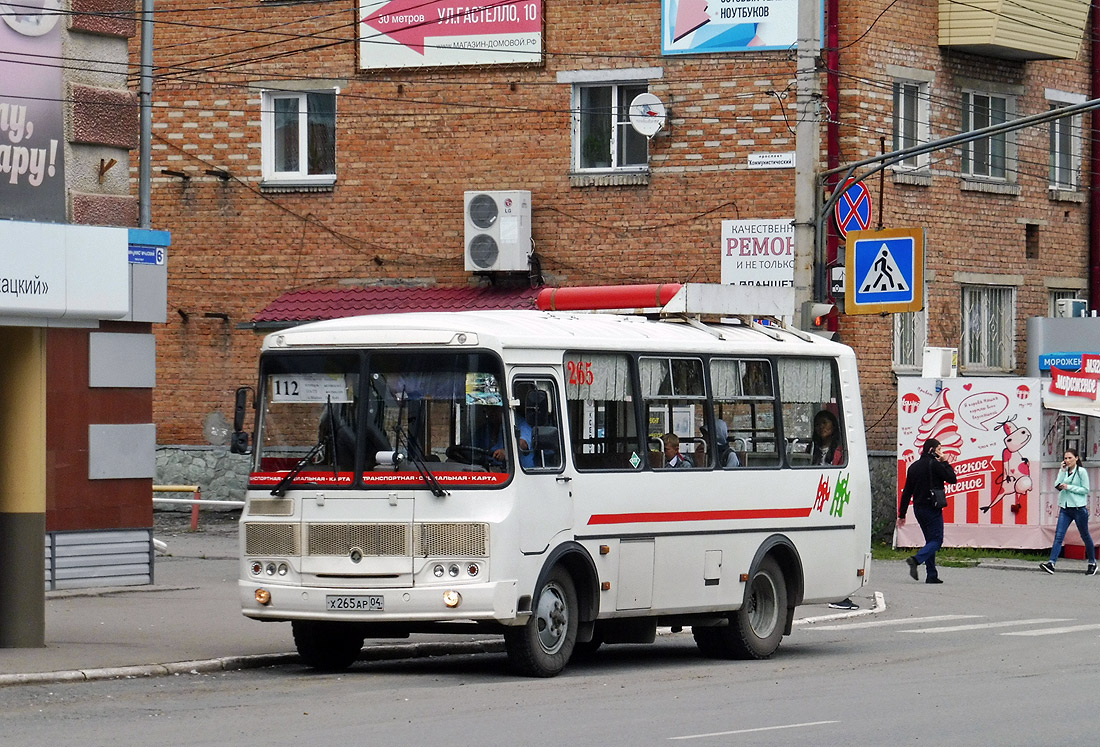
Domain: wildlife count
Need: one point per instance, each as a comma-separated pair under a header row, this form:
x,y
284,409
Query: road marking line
x,y
750,731
906,621
1055,631
983,626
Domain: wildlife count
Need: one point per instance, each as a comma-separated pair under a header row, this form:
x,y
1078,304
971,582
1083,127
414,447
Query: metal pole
x,y
807,152
145,96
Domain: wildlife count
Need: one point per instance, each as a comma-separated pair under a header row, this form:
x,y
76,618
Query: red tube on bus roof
x,y
596,297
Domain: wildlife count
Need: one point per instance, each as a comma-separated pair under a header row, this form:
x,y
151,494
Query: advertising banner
x,y
699,26
433,33
758,252
32,148
991,432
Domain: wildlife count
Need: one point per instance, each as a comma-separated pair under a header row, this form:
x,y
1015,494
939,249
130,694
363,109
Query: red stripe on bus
x,y
666,516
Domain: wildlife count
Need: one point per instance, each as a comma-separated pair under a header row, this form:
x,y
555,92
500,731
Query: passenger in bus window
x,y
726,457
673,458
826,447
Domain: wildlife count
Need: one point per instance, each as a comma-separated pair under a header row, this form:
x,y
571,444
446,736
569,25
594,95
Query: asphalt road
x,y
991,657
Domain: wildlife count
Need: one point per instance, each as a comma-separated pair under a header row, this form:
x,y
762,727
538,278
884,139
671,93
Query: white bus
x,y
509,471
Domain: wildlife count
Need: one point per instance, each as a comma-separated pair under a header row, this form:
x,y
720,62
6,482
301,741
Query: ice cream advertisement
x,y
991,432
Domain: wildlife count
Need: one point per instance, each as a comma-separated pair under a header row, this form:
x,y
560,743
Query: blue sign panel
x,y
1063,361
146,255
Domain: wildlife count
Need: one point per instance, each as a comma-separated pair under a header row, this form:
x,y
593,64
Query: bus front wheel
x,y
755,630
328,646
542,647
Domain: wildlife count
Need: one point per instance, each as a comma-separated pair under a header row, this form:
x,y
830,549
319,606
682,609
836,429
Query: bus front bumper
x,y
489,601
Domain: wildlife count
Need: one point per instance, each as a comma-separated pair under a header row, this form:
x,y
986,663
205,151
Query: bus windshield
x,y
356,415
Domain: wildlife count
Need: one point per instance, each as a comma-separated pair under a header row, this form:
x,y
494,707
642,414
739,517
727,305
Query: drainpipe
x,y
1094,163
832,141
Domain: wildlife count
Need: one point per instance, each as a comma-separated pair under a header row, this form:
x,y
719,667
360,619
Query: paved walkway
x,y
190,620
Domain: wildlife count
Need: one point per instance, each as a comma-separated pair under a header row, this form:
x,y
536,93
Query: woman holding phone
x,y
1072,485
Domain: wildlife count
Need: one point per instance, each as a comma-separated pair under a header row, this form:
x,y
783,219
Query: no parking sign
x,y
853,209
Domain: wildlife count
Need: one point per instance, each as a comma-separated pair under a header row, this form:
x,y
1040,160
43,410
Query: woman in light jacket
x,y
1072,485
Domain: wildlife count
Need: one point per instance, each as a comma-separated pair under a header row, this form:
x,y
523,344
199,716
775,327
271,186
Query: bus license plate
x,y
369,603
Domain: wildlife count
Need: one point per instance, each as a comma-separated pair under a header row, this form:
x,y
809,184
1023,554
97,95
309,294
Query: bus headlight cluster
x,y
454,570
270,568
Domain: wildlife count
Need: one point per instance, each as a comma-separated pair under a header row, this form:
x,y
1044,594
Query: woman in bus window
x,y
827,446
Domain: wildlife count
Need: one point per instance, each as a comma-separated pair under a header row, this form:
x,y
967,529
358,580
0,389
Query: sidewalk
x,y
189,620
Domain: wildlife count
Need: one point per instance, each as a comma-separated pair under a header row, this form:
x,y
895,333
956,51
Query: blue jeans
x,y
1080,516
931,523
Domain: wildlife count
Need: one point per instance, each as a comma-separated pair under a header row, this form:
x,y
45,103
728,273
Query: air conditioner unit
x,y
498,231
1069,307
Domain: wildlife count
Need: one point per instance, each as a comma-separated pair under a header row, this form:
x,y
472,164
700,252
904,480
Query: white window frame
x,y
267,140
620,127
910,337
977,158
911,97
1065,143
988,328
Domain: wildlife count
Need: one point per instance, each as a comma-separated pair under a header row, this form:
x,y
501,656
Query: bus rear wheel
x,y
328,646
542,647
755,630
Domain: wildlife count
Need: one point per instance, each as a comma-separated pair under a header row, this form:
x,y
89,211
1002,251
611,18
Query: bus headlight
x,y
452,598
438,571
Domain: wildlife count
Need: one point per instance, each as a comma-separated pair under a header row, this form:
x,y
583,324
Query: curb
x,y
256,661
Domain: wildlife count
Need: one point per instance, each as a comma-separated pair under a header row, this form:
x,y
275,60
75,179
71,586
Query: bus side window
x,y
603,426
812,424
744,397
537,425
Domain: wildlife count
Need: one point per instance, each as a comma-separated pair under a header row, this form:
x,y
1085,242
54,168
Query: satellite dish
x,y
647,114
216,429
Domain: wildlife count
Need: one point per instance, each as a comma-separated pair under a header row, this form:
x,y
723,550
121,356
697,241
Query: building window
x,y
910,337
603,139
299,136
1065,152
1056,295
987,157
989,327
911,120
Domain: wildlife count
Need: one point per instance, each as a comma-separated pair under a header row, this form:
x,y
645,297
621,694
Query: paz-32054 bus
x,y
564,479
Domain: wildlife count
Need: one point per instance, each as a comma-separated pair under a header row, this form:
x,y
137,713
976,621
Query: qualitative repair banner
x,y
991,431
32,148
433,33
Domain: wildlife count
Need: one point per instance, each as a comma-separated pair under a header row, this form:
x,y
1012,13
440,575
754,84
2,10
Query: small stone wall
x,y
220,475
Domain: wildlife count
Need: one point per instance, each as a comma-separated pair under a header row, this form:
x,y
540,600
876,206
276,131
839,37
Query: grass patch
x,y
959,556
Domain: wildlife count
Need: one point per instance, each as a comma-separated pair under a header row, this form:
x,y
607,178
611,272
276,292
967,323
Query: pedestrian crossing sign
x,y
885,271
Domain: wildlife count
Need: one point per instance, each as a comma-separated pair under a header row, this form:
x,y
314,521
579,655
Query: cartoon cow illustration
x,y
1015,477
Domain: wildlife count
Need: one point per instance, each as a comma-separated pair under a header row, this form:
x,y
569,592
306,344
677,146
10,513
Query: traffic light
x,y
815,318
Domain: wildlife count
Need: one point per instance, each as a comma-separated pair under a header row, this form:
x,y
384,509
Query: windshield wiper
x,y
280,489
414,454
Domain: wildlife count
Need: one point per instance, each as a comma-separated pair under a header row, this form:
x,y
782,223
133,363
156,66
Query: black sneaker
x,y
848,604
1047,567
1091,570
936,580
912,561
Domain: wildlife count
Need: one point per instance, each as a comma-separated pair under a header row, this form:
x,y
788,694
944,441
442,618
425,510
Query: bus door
x,y
544,504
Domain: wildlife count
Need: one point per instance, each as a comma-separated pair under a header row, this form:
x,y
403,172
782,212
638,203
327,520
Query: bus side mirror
x,y
238,444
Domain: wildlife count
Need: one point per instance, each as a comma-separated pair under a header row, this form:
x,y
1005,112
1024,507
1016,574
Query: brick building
x,y
395,137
